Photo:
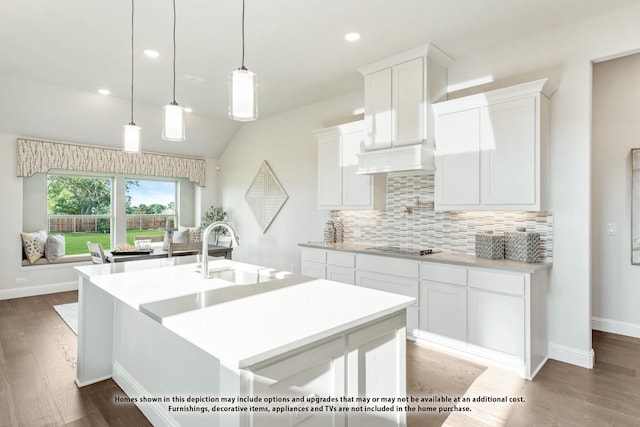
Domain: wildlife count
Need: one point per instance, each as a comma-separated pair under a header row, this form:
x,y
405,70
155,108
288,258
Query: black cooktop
x,y
404,251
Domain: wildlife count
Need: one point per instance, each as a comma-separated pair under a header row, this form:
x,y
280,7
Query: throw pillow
x,y
181,236
195,234
54,247
33,244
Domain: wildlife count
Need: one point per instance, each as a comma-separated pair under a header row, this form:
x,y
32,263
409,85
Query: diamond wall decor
x,y
265,196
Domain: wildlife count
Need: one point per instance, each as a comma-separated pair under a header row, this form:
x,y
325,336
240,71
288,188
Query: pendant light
x,y
132,133
173,128
243,93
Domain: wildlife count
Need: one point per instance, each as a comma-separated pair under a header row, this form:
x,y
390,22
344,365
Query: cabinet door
x,y
329,171
508,152
378,112
443,310
394,284
408,102
458,158
317,372
376,368
356,189
496,322
313,269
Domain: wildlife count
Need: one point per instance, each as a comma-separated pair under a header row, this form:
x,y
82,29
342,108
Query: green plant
x,y
213,214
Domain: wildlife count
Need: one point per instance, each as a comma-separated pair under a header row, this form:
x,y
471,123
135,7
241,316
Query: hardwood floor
x,y
38,363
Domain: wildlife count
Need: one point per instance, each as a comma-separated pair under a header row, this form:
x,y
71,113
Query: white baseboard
x,y
572,355
29,291
156,413
615,327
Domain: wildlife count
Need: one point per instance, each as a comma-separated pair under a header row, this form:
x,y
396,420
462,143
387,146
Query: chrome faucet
x,y
205,244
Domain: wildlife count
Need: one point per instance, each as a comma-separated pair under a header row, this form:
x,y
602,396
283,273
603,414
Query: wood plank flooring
x,y
38,363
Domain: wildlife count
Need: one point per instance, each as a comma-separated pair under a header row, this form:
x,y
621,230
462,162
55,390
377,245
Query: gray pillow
x,y
181,236
54,247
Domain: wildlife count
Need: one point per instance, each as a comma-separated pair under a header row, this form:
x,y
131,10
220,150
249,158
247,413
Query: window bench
x,y
61,260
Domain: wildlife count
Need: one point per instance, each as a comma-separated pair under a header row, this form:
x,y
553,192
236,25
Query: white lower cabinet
x,y
313,263
395,275
496,315
316,372
492,314
362,363
328,264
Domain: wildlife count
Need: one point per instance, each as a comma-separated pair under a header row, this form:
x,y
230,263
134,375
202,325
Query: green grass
x,y
76,243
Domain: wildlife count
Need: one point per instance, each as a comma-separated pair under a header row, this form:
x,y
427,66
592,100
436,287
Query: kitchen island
x,y
249,346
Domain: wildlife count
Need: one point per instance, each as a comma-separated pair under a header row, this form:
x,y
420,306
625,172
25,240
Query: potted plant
x,y
213,214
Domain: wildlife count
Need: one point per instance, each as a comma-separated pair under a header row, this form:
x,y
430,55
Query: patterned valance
x,y
42,156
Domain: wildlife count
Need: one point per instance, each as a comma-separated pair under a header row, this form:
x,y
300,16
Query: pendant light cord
x,y
243,67
174,53
132,14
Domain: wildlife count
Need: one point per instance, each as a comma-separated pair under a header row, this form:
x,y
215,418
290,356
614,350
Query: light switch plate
x,y
611,229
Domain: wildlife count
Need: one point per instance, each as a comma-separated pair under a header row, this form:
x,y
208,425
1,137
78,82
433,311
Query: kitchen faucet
x,y
205,244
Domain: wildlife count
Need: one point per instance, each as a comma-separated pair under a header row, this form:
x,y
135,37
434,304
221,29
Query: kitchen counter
x,y
440,257
160,330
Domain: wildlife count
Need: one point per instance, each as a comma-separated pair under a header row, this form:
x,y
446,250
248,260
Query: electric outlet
x,y
21,281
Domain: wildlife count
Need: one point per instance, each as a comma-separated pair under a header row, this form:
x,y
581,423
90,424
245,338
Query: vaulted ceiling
x,y
296,47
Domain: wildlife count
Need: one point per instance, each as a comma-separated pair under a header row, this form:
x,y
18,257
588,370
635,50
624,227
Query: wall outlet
x,y
611,229
21,281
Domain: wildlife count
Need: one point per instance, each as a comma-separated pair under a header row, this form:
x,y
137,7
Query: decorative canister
x,y
522,246
329,232
339,230
490,245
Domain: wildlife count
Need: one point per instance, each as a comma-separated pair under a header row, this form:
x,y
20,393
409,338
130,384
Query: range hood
x,y
415,158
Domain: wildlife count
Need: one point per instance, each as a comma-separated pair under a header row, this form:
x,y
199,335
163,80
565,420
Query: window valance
x,y
41,156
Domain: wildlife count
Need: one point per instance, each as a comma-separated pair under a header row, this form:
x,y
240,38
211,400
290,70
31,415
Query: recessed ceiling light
x,y
151,53
104,91
187,109
352,37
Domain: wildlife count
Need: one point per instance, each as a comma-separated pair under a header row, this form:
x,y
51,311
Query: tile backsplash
x,y
421,227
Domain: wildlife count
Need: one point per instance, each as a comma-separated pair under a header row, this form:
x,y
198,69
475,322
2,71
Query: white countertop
x,y
242,325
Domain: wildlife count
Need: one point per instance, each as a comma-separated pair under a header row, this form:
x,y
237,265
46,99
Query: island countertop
x,y
245,324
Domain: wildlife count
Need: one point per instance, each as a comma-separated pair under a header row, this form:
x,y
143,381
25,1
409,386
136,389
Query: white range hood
x,y
410,158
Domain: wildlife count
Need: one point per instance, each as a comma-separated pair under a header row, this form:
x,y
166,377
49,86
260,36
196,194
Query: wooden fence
x,y
102,224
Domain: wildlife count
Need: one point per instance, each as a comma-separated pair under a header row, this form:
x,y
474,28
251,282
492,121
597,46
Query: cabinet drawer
x,y
388,265
443,273
385,282
341,259
341,274
506,283
314,255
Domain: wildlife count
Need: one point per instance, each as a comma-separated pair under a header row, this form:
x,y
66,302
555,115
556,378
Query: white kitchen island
x,y
247,347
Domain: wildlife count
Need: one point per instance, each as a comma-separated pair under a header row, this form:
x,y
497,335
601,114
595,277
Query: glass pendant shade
x,y
131,138
243,95
173,128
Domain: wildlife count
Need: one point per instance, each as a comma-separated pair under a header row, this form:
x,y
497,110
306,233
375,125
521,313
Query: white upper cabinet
x,y
491,149
398,92
339,187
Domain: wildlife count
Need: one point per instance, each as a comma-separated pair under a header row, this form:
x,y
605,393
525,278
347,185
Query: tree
x,y
70,195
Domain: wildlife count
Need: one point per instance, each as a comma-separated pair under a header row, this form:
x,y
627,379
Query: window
x,y
151,205
80,207
83,209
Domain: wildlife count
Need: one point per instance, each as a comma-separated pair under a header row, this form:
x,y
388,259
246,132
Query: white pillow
x,y
33,244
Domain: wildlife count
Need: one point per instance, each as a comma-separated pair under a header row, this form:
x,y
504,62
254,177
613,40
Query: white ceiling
x,y
296,47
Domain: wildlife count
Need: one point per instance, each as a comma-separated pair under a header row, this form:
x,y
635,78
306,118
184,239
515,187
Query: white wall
x,y
286,143
616,130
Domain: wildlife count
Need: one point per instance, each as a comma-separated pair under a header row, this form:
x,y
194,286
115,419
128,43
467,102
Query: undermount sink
x,y
239,276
